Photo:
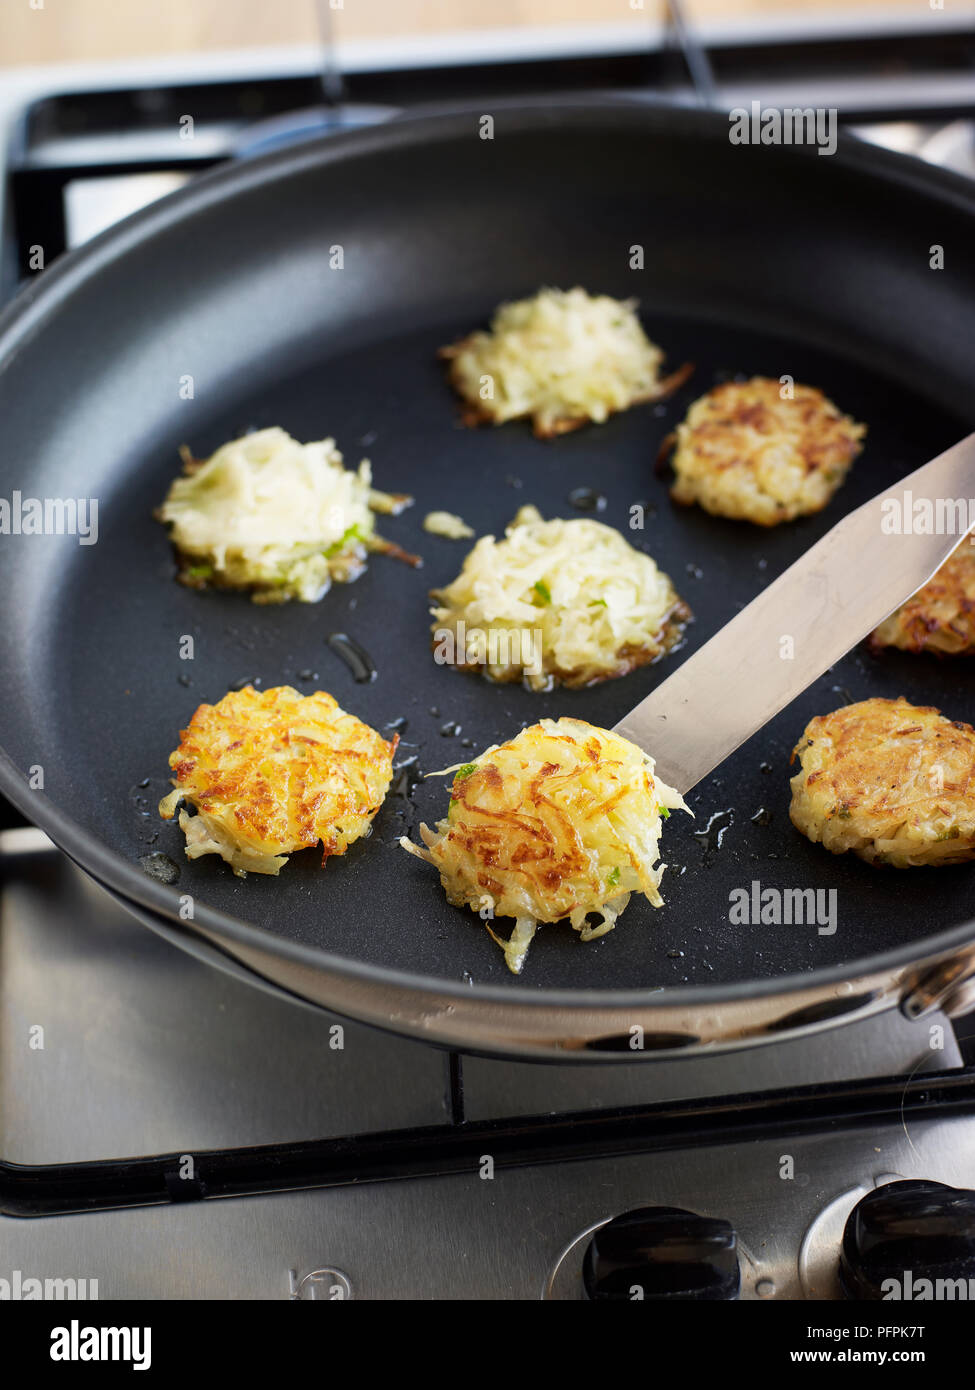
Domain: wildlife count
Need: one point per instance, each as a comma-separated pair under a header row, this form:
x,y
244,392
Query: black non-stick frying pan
x,y
224,307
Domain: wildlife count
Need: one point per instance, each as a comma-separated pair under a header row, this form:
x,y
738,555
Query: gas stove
x,y
85,147
139,1086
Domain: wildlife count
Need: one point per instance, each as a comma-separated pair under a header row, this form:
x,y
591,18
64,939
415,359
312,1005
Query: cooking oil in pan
x,y
358,660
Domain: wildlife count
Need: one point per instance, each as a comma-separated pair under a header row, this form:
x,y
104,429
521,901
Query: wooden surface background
x,y
50,31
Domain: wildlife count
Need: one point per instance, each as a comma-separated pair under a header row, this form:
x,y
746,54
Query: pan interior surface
x,y
313,294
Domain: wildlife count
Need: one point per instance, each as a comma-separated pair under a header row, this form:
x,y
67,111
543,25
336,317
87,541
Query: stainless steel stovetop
x,y
116,1046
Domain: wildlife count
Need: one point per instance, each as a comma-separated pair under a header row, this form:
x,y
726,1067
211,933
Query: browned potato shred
x,y
750,451
891,782
562,821
941,616
270,772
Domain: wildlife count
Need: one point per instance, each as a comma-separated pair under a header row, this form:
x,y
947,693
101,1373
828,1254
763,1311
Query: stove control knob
x,y
905,1232
662,1252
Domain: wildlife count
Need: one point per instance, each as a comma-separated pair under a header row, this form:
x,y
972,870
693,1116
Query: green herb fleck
x,y
598,603
613,877
351,534
464,772
543,591
199,571
951,834
664,811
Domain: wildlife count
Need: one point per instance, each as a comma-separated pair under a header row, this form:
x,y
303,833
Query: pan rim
x,y
37,302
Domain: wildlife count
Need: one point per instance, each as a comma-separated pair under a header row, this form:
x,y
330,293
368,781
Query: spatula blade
x,y
814,613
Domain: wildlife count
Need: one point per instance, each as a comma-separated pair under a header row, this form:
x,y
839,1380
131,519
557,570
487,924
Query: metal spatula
x,y
826,603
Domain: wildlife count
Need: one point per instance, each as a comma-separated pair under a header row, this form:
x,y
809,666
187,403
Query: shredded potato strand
x,y
567,601
527,834
270,772
892,782
757,451
562,357
269,514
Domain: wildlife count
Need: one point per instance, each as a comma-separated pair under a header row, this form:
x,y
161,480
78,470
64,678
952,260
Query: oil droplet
x,y
765,767
397,725
449,730
246,680
307,675
159,866
140,799
358,660
763,816
405,775
587,499
713,833
695,571
842,690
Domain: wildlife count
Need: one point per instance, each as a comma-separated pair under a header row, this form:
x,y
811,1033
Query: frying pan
x,y
223,308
